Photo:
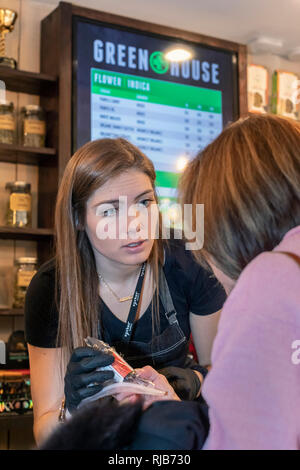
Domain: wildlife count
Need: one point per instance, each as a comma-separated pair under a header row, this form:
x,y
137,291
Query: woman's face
x,y
123,211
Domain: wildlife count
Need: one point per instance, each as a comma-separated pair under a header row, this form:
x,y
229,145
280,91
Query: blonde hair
x,y
249,182
90,167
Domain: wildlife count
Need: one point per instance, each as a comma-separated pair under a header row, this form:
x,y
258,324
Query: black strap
x,y
134,305
166,298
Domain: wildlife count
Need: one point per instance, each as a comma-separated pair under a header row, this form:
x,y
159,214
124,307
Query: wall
x,y
24,45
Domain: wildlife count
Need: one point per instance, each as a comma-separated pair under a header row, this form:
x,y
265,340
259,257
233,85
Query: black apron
x,y
169,348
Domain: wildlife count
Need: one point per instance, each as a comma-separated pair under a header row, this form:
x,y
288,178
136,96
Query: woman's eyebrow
x,y
114,201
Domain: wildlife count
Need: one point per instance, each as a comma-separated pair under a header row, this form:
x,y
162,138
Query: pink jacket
x,y
253,388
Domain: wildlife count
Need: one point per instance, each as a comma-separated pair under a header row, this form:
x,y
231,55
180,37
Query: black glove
x,y
184,381
81,371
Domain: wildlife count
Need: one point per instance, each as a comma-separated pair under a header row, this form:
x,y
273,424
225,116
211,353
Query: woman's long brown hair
x,y
77,283
249,182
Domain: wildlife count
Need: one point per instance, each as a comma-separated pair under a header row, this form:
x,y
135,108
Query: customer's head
x,y
249,182
108,424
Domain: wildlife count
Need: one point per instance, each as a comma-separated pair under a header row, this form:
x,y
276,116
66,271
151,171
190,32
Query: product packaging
x,y
257,89
286,94
126,379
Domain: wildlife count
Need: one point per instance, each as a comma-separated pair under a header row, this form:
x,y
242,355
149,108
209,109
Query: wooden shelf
x,y
15,233
6,418
10,153
11,312
28,82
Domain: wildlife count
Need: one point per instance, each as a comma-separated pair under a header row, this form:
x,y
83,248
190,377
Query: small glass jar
x,y
7,123
33,126
19,204
26,269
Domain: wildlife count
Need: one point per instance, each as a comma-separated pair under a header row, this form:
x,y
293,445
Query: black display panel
x,y
124,87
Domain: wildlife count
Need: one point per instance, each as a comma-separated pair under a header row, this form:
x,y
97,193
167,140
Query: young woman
x,y
145,300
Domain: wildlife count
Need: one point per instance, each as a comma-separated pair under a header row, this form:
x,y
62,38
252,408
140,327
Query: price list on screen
x,y
169,122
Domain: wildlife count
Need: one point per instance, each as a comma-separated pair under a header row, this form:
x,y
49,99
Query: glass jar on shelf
x,y
26,269
33,123
7,123
19,204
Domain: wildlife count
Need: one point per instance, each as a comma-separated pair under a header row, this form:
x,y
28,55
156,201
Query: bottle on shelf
x,y
19,204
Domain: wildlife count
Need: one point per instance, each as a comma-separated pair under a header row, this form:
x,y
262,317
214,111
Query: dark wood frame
x,y
56,57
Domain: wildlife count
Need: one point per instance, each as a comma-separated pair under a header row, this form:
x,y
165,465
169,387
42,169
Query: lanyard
x,y
134,305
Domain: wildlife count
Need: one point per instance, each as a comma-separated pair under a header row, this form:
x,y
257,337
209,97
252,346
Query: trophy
x,y
7,21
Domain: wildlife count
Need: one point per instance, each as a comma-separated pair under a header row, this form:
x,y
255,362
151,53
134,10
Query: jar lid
x,y
6,104
32,107
26,260
17,185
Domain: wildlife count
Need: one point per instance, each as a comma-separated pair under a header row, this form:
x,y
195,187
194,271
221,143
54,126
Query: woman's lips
x,y
137,248
137,241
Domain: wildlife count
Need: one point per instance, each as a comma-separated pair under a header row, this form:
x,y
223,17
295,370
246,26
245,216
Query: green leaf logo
x,y
158,63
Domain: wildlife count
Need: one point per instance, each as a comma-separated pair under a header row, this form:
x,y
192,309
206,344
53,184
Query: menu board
x,y
165,120
124,87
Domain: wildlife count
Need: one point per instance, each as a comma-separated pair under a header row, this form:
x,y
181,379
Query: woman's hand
x,y
82,379
186,382
160,382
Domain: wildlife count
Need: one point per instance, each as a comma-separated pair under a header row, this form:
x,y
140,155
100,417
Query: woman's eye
x,y
146,202
109,212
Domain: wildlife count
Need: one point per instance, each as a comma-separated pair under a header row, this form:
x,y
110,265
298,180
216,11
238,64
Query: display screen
x,y
124,87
